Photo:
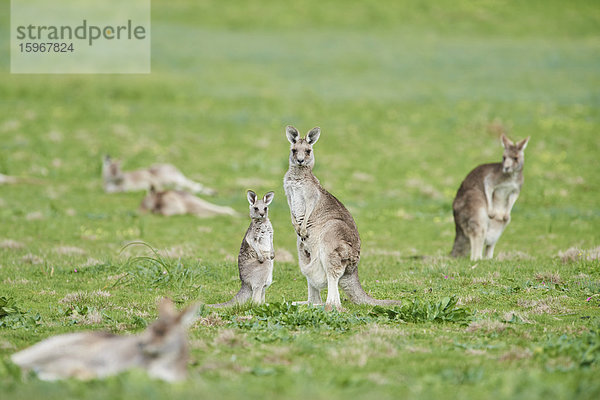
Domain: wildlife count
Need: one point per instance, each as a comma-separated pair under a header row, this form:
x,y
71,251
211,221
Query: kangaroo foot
x,y
330,307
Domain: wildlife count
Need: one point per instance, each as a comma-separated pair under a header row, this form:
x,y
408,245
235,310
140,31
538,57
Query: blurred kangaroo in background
x,y
175,202
160,175
255,260
161,350
327,236
484,200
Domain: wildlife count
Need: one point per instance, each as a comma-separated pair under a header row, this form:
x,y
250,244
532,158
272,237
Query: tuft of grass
x,y
293,317
444,310
12,317
582,350
573,254
549,277
157,272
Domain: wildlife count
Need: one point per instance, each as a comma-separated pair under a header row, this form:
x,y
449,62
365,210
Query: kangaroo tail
x,y
241,297
462,244
355,292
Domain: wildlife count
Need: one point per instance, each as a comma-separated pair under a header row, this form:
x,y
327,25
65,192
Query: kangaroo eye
x,y
516,159
265,209
294,151
255,208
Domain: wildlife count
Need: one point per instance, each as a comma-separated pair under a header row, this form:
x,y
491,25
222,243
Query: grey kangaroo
x,y
159,175
162,350
484,200
255,260
175,202
327,236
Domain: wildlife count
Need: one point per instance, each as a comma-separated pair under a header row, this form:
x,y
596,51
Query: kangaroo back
x,y
168,175
175,202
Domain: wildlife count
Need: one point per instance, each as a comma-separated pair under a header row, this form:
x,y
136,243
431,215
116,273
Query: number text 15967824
x,y
48,47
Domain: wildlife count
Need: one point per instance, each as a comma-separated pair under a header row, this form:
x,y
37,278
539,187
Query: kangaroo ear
x,y
166,307
106,158
268,198
506,142
313,135
188,316
251,197
152,190
523,143
292,134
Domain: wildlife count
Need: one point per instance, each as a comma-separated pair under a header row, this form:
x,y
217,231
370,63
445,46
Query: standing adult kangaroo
x,y
328,240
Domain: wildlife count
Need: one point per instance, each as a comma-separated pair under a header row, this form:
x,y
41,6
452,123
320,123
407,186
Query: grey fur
x,y
176,202
255,260
327,237
161,176
484,201
161,350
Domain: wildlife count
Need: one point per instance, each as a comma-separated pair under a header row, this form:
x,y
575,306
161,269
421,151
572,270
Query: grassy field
x,y
410,97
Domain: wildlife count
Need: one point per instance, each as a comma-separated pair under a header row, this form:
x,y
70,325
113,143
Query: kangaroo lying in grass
x,y
255,259
484,200
161,350
328,241
175,202
160,175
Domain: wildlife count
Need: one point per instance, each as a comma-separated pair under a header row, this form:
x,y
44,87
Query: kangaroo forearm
x,y
511,201
294,221
488,199
253,246
308,211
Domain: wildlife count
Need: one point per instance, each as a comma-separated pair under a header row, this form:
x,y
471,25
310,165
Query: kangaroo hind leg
x,y
476,228
335,266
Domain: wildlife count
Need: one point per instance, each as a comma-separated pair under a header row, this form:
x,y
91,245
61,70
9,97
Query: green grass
x,y
410,97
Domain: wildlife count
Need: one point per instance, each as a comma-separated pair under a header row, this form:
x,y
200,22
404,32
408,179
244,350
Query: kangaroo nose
x,y
300,161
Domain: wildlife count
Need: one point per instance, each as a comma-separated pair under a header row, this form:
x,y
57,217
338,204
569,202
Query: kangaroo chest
x,y
296,192
501,194
262,236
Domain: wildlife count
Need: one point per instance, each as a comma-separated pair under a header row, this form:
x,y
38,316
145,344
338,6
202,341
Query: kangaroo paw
x,y
303,234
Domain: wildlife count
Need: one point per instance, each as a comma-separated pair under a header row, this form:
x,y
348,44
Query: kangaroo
x,y
484,200
255,259
161,350
159,175
174,202
327,237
